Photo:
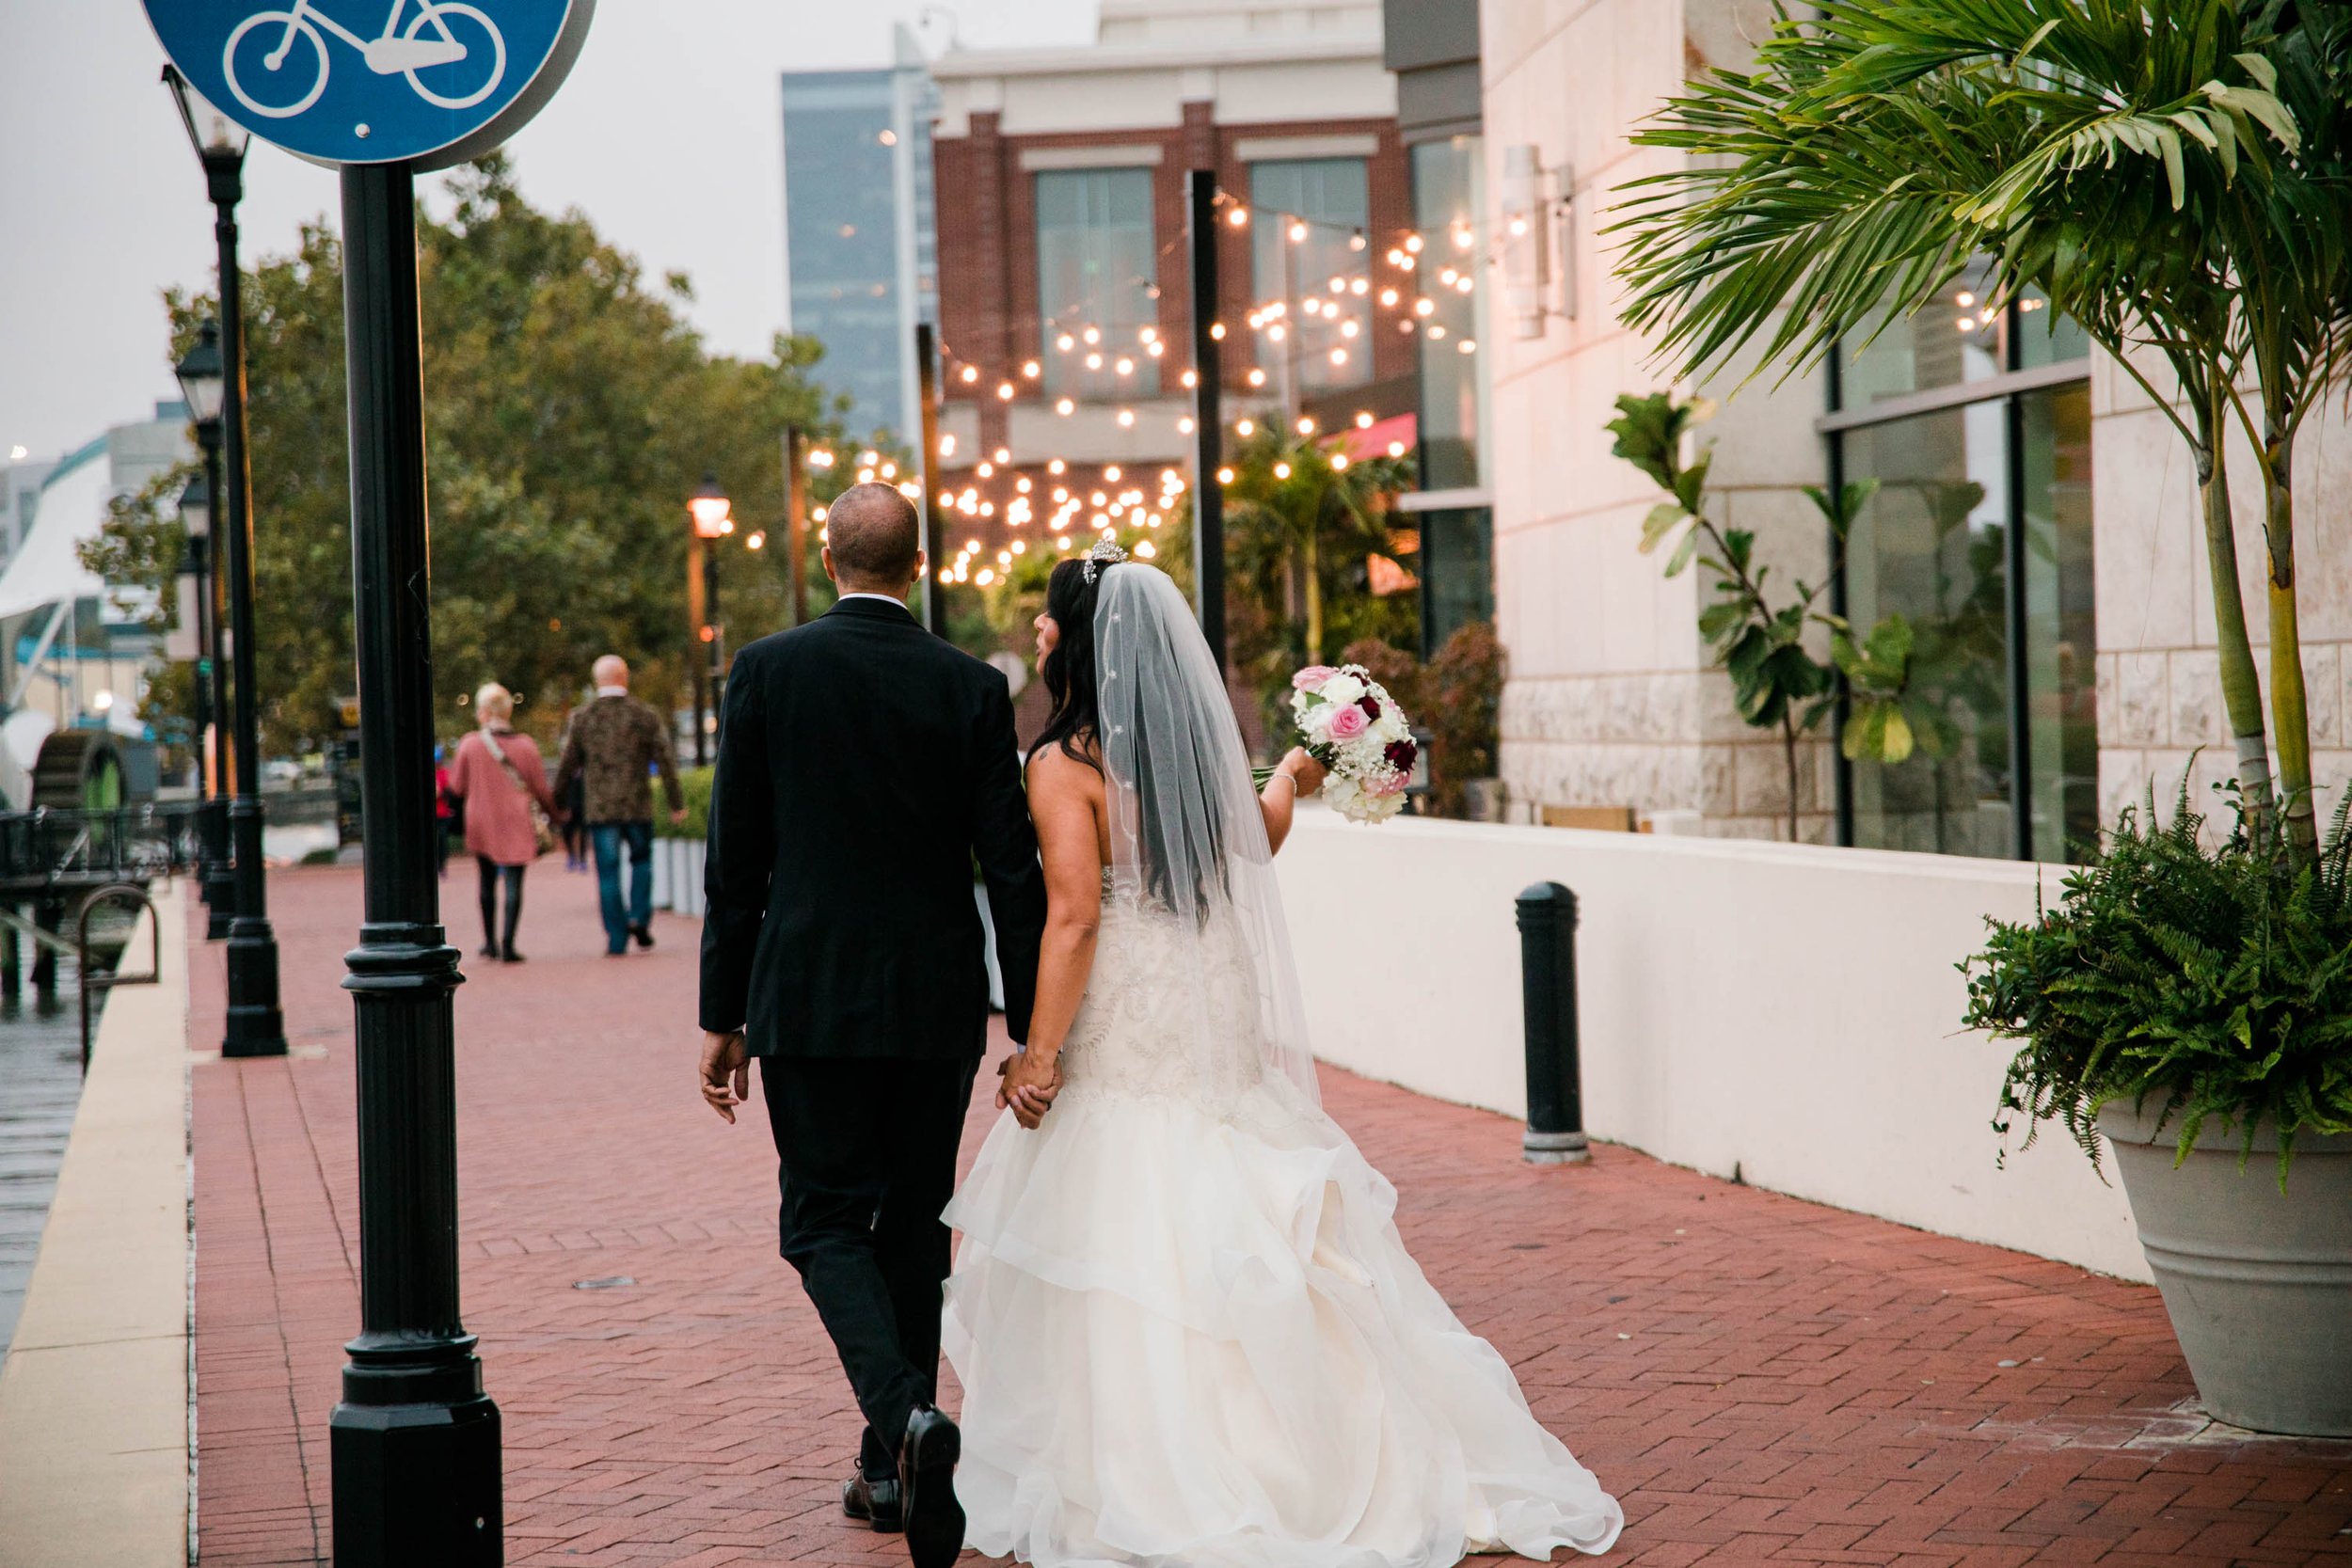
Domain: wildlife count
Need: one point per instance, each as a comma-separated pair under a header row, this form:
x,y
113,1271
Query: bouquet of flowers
x,y
1348,722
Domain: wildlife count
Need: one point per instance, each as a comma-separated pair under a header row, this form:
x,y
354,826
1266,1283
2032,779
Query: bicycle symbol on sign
x,y
441,35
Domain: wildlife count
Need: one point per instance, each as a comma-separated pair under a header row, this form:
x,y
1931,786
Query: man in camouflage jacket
x,y
610,745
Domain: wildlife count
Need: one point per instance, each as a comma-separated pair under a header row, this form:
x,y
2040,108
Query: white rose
x,y
1342,689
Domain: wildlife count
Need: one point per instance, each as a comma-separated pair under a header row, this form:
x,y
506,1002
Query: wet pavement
x,y
40,1084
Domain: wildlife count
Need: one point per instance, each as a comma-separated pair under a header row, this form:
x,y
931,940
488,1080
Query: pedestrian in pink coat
x,y
499,775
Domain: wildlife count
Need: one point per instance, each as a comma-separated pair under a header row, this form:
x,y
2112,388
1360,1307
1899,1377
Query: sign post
x,y
414,1442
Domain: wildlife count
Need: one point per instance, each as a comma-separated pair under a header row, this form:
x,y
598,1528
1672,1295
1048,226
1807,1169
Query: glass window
x,y
1933,547
1449,179
1456,572
1949,343
1096,276
1311,255
2061,686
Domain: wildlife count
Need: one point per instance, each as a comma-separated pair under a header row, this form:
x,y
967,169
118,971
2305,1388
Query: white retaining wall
x,y
1786,1011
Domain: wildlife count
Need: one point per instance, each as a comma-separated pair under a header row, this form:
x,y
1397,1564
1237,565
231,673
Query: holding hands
x,y
1031,1080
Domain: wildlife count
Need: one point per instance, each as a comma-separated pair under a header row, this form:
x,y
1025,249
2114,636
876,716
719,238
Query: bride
x,y
1187,1328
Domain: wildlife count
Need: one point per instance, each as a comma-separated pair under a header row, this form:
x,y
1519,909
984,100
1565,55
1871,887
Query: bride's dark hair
x,y
1068,671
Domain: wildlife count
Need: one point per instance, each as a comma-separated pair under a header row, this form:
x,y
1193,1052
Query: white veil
x,y
1188,841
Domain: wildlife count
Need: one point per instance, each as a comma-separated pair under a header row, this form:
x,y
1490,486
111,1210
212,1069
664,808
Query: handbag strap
x,y
506,765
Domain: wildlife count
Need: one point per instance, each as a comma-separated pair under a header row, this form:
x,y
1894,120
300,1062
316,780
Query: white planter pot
x,y
685,856
2258,1283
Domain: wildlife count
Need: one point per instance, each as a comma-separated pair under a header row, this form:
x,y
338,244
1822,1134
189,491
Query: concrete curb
x,y
95,1398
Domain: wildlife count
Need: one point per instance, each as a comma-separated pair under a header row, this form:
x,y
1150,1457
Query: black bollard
x,y
1555,1103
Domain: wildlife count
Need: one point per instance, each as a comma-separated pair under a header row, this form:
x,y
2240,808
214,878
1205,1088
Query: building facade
x,y
1064,308
861,260
2034,515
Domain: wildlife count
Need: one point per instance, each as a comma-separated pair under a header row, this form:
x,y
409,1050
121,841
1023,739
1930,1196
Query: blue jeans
x,y
608,837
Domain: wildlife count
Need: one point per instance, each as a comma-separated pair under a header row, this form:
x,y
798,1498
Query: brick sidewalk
x,y
1756,1378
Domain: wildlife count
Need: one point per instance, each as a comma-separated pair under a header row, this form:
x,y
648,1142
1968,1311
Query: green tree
x,y
2112,157
570,410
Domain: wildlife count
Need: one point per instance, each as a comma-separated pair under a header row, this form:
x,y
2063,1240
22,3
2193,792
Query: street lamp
x,y
255,1025
714,519
203,383
197,624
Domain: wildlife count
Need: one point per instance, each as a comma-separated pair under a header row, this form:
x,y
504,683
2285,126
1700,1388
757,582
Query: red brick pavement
x,y
1758,1379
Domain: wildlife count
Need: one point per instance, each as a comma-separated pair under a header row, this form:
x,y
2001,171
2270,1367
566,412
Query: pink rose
x,y
1349,722
1311,676
1387,786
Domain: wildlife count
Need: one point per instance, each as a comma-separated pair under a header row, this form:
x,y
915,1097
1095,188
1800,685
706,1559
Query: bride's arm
x,y
1065,800
1294,775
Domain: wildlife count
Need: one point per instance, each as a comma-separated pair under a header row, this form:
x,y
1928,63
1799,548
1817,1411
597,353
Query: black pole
x,y
1555,1102
1208,412
415,1441
698,616
796,522
934,549
220,876
717,634
256,1027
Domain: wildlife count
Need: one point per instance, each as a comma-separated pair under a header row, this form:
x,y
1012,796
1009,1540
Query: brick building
x,y
1063,269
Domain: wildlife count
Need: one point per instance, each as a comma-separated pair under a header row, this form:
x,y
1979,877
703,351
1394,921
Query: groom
x,y
864,766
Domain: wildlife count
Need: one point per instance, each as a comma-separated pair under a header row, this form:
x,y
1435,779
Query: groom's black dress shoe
x,y
876,1503
926,1481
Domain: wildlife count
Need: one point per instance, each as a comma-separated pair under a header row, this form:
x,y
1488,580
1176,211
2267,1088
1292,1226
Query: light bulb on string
x,y
986,471
1360,287
1092,335
1216,331
1126,418
1185,426
947,446
1339,462
1004,391
1237,216
1110,474
1281,470
1031,369
1256,377
1412,245
1244,427
1357,241
1467,346
1436,332
970,373
1094,361
1306,425
1155,348
1388,297
1055,465
1225,476
1064,343
1363,418
1396,449
1297,232
1066,406
1001,456
1424,305
1123,366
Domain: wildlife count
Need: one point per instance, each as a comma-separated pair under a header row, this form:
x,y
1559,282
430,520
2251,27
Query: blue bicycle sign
x,y
285,62
374,81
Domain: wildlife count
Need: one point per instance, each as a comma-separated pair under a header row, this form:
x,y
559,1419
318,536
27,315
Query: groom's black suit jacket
x,y
863,767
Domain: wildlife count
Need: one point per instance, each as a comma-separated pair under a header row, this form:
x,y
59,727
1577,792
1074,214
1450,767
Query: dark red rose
x,y
1370,706
1402,754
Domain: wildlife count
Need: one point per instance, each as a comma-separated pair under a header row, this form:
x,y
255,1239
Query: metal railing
x,y
51,851
93,978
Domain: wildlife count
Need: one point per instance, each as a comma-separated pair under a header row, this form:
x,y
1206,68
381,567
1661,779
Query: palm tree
x,y
1295,505
2109,153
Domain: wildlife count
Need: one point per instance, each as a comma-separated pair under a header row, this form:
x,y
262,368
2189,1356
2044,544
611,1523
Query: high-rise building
x,y
860,257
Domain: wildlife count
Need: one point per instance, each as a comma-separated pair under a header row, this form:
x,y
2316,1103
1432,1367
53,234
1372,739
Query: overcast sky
x,y
667,135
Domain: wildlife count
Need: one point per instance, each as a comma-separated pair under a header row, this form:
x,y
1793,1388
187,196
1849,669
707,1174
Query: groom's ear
x,y
826,556
921,563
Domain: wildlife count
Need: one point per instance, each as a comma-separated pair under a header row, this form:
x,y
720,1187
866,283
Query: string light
x,y
1306,426
1363,418
971,374
1225,476
1238,216
1244,427
946,446
1065,406
1110,474
1004,391
1003,456
1297,232
1281,470
1031,369
1339,462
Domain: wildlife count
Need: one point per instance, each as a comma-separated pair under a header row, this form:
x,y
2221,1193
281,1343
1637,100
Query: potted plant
x,y
2194,1006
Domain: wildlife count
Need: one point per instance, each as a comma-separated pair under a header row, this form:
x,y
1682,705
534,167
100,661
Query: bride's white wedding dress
x,y
1188,1333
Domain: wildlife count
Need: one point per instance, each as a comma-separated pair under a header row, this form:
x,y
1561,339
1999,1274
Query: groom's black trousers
x,y
865,1152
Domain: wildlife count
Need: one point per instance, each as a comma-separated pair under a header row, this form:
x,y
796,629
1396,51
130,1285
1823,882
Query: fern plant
x,y
2203,983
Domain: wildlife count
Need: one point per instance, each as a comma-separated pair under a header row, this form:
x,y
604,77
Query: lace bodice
x,y
1170,1011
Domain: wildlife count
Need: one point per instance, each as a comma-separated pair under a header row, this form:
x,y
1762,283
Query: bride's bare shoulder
x,y
1054,770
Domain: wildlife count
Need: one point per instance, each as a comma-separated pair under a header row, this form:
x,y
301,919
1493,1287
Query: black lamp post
x,y
214,876
202,382
714,519
256,1027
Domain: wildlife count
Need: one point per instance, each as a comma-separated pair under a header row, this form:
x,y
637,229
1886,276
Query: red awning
x,y
1398,431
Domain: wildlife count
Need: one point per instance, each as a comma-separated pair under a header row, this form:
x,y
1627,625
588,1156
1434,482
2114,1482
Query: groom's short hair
x,y
874,537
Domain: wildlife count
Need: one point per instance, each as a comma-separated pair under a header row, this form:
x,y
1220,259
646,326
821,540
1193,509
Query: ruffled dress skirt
x,y
1189,1334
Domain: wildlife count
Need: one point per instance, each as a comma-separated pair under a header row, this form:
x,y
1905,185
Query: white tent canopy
x,y
48,567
